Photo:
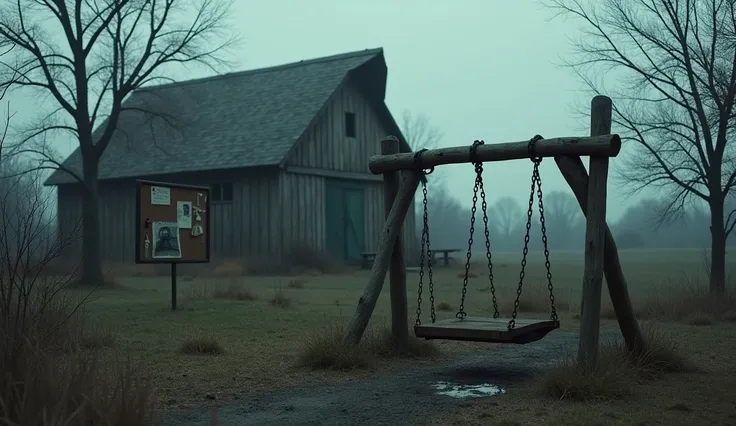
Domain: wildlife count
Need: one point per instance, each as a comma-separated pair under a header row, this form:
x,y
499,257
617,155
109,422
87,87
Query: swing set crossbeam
x,y
593,146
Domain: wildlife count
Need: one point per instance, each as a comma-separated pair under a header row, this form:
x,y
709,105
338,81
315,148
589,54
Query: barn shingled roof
x,y
243,119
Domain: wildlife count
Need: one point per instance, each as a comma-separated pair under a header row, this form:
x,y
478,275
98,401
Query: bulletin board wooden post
x,y
172,225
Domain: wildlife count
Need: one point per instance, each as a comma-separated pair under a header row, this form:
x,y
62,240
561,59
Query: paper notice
x,y
160,196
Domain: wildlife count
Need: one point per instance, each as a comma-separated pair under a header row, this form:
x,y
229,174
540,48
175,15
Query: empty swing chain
x,y
478,184
536,182
425,243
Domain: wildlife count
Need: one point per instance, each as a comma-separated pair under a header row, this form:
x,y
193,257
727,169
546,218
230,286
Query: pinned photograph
x,y
184,214
166,240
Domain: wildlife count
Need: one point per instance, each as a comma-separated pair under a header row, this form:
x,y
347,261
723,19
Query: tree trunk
x,y
717,245
91,259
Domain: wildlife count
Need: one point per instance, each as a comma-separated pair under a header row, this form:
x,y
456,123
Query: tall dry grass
x,y
50,370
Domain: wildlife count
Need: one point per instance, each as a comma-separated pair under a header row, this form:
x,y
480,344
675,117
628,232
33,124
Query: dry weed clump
x,y
618,370
280,299
234,290
327,349
444,307
201,345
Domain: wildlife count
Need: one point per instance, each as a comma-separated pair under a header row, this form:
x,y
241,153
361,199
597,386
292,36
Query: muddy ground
x,y
402,398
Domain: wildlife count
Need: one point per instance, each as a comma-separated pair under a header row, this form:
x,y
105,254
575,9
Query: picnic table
x,y
445,255
370,256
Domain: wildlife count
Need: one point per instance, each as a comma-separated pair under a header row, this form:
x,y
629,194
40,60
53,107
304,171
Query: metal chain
x,y
535,178
424,243
425,230
525,251
484,208
547,264
478,182
429,260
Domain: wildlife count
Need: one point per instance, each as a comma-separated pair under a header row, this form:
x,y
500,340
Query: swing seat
x,y
489,330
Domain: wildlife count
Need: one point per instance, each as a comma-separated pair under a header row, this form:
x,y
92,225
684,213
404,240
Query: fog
x,y
477,70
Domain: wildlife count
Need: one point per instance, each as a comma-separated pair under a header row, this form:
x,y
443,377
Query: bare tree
x,y
676,63
419,132
508,215
561,211
87,57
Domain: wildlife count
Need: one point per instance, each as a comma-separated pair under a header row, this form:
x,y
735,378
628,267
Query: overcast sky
x,y
479,69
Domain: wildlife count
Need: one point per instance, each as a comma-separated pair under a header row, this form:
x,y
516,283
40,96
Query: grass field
x,y
255,328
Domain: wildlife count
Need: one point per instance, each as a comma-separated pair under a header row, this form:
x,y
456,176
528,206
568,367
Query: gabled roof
x,y
244,119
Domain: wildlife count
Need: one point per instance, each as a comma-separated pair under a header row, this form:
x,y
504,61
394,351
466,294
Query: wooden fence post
x,y
595,235
397,270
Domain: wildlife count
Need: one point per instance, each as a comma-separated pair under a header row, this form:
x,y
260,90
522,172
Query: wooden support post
x,y
397,271
573,170
391,229
600,145
595,235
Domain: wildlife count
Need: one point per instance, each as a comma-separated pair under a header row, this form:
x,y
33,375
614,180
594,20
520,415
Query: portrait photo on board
x,y
184,214
166,242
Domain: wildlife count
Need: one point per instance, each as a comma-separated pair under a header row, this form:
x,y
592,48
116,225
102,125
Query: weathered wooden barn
x,y
284,149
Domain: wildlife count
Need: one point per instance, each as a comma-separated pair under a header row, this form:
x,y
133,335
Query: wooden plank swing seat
x,y
489,330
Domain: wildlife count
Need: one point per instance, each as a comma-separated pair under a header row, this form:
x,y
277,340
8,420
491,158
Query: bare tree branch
x,y
419,132
90,56
675,68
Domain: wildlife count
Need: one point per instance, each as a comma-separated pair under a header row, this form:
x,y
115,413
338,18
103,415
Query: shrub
x,y
297,283
280,299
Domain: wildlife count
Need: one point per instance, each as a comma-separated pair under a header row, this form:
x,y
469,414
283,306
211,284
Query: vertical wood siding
x,y
247,226
325,147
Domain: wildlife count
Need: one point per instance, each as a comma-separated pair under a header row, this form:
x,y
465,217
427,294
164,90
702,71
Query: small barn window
x,y
222,192
350,124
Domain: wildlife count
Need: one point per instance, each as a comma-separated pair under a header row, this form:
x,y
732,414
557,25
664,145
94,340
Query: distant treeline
x,y
641,226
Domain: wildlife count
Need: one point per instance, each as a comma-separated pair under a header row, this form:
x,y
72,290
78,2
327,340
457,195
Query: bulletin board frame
x,y
147,214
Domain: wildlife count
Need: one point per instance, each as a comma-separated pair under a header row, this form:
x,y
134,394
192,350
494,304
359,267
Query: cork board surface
x,y
172,223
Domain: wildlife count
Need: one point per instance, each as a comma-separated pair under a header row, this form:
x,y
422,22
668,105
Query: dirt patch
x,y
403,398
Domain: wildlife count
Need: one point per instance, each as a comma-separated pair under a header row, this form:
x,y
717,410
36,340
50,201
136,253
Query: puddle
x,y
467,391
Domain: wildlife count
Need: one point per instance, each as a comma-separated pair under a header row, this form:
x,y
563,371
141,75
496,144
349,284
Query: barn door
x,y
345,220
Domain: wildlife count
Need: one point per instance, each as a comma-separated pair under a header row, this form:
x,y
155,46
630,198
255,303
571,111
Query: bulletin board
x,y
172,223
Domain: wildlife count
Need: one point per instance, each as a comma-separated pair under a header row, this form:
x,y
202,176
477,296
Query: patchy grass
x,y
201,345
261,339
231,289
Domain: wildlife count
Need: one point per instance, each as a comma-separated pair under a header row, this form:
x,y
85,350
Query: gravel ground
x,y
402,398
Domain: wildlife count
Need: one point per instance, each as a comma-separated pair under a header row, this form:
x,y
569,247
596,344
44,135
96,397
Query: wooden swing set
x,y
404,172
